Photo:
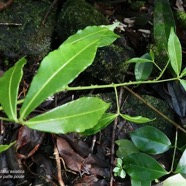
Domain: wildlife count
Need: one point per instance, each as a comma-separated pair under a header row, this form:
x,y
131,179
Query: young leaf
x,y
9,84
105,120
183,83
139,164
181,167
175,52
150,140
142,71
5,147
60,68
75,116
175,180
136,119
126,147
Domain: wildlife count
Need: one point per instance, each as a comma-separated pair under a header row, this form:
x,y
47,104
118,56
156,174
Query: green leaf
x,y
138,60
183,83
150,140
181,167
136,119
92,33
140,183
163,21
9,84
176,180
119,162
75,116
143,59
183,73
142,71
61,67
126,148
106,119
142,167
5,147
175,52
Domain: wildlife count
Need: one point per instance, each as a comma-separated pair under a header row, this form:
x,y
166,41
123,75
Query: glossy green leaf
x,y
142,167
138,60
9,84
92,33
150,140
175,180
183,83
175,52
75,116
142,71
105,120
61,67
181,167
136,119
183,73
5,147
140,183
125,148
163,21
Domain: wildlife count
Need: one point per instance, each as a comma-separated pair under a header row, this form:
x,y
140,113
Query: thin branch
x,y
118,101
58,162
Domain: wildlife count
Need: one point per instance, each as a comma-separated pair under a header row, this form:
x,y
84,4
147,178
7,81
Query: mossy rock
x,y
135,107
109,62
181,18
30,38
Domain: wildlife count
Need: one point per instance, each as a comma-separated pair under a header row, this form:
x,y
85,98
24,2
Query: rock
x,y
109,64
24,34
135,107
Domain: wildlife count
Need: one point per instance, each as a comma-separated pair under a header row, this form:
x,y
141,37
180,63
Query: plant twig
x,y
118,102
58,162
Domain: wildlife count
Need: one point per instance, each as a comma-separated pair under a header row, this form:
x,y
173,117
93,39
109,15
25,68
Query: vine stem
x,y
118,84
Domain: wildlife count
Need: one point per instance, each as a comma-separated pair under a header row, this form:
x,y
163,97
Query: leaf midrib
x,y
44,85
66,117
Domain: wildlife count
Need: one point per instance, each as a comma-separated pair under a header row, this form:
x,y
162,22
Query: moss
x,y
75,15
110,64
30,38
181,17
136,107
